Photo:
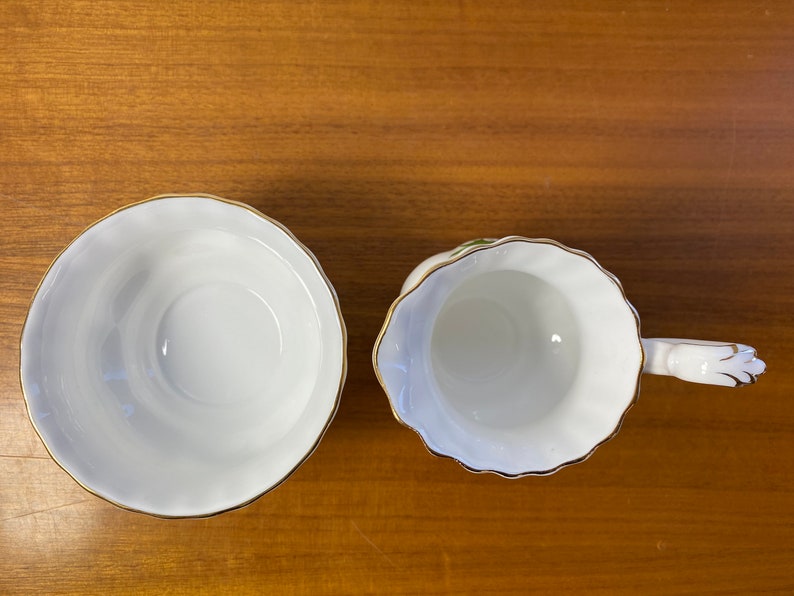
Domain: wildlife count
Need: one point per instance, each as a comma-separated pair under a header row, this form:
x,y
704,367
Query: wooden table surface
x,y
658,136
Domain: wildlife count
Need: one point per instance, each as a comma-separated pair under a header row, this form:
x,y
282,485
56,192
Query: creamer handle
x,y
709,362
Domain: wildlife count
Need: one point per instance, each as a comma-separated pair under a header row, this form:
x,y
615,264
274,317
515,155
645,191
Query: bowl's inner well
x,y
505,348
219,343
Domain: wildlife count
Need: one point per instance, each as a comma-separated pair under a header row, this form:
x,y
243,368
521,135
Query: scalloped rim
x,y
466,253
337,398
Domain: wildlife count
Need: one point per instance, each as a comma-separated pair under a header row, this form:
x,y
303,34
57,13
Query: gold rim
x,y
343,372
457,257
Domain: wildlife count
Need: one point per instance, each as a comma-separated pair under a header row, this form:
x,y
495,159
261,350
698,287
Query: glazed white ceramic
x,y
183,356
519,356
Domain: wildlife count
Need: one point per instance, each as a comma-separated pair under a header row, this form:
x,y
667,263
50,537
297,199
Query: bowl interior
x,y
183,356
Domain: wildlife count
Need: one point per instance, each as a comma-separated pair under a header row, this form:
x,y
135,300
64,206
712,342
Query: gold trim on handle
x,y
337,398
752,377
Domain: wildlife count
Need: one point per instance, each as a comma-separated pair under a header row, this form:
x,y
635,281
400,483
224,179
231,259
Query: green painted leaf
x,y
471,243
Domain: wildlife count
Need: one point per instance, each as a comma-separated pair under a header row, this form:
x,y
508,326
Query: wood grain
x,y
657,136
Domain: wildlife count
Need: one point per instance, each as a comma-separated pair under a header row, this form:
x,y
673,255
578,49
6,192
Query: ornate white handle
x,y
710,362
